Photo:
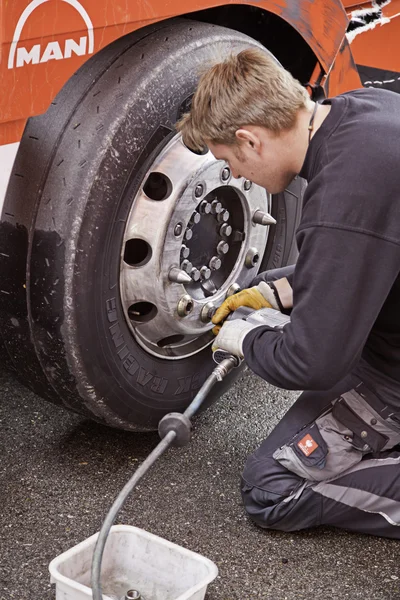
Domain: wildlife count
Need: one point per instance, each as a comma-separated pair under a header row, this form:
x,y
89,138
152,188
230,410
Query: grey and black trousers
x,y
334,459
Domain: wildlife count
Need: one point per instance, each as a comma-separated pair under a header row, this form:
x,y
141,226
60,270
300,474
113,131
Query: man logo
x,y
21,56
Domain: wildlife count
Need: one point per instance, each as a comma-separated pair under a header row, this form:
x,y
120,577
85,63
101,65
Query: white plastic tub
x,y
133,559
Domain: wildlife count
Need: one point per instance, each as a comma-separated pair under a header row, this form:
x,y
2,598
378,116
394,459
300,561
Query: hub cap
x,y
190,221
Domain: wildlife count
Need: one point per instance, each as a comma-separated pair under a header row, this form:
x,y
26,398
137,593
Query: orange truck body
x,y
43,42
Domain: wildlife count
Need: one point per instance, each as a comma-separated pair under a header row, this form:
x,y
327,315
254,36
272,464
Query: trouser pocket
x,y
338,439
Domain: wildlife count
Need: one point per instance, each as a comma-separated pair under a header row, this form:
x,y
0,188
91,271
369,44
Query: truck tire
x,y
104,202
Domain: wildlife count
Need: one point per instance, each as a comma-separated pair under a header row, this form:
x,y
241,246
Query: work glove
x,y
259,296
231,336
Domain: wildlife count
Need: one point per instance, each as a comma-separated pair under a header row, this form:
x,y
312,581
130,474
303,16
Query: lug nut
x,y
247,185
262,218
195,218
207,312
188,234
195,274
178,229
185,251
222,248
225,174
178,276
223,216
233,289
205,207
252,258
216,207
133,595
186,266
198,190
205,272
225,230
185,306
215,263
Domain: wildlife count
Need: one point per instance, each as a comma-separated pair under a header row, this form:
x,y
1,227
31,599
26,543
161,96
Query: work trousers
x,y
334,459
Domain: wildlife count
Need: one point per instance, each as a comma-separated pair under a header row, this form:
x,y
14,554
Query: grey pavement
x,y
60,473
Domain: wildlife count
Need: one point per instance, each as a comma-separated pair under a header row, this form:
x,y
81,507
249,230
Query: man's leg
x,y
349,487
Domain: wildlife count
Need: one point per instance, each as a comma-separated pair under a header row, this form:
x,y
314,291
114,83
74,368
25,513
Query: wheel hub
x,y
193,236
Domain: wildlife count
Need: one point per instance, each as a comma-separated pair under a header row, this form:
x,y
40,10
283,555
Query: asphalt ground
x,y
60,474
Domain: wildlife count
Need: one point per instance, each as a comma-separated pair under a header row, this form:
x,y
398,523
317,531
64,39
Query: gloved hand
x,y
231,336
259,296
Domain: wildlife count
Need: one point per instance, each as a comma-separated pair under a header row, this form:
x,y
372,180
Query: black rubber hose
x,y
218,374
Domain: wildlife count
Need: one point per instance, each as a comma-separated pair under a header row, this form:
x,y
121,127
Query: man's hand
x,y
259,296
231,336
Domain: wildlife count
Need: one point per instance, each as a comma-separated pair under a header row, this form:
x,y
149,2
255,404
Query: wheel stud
x,y
233,289
223,216
186,266
195,218
247,185
222,248
178,229
198,190
215,263
178,276
207,312
216,207
262,218
205,272
185,251
205,207
225,230
185,306
195,274
252,258
225,173
188,234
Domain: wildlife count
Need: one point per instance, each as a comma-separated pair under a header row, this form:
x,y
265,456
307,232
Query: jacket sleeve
x,y
341,281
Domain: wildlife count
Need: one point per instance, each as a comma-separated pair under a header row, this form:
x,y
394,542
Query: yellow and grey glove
x,y
259,296
231,336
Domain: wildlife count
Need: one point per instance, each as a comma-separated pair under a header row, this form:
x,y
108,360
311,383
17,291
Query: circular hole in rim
x,y
142,312
170,340
158,186
137,252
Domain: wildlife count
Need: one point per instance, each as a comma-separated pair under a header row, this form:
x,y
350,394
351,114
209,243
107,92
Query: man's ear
x,y
248,138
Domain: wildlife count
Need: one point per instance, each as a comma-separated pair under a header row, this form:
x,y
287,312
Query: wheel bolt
x,y
207,312
195,218
247,185
188,234
185,251
216,207
222,248
185,306
233,289
252,258
225,230
225,174
205,207
215,263
198,190
223,216
178,229
186,266
205,272
195,274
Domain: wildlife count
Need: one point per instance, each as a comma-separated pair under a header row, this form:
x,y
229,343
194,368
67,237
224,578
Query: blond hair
x,y
249,88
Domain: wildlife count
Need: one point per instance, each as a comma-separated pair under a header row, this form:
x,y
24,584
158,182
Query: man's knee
x,y
270,493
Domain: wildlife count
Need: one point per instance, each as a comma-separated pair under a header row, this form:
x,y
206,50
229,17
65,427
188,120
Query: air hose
x,y
174,429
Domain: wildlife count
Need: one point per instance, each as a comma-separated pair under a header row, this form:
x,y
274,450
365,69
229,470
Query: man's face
x,y
266,164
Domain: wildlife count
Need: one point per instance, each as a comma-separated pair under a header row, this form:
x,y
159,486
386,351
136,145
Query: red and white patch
x,y
307,445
